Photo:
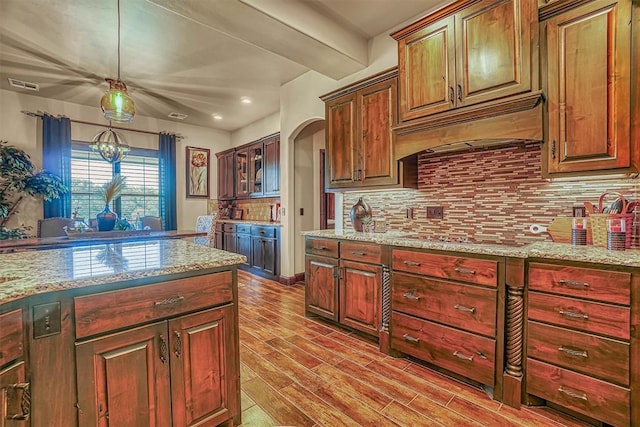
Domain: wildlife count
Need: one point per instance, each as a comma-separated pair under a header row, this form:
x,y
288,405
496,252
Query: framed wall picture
x,y
237,213
197,172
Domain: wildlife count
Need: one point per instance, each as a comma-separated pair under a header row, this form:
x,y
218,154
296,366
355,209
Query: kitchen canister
x,y
359,210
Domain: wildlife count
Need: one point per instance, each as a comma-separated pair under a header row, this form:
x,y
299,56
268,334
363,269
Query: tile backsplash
x,y
490,196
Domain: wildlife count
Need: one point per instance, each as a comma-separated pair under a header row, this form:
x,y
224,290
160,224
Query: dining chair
x,y
54,227
153,222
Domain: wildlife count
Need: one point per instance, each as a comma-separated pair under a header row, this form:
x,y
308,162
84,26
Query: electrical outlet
x,y
301,211
409,213
435,212
579,211
46,320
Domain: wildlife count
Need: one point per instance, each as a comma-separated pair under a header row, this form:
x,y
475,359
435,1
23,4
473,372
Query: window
x,y
89,172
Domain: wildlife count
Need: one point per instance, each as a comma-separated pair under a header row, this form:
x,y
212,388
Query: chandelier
x,y
110,145
116,104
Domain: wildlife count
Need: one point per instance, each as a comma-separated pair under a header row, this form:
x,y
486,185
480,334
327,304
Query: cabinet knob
x,y
25,403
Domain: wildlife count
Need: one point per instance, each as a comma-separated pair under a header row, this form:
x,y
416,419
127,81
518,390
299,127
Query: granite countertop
x,y
23,274
546,250
244,221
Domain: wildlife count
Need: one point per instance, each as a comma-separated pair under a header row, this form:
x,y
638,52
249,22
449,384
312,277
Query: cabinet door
x,y
271,174
242,172
426,63
123,379
243,246
269,258
588,89
257,253
226,176
341,133
378,113
493,51
202,358
219,240
359,303
321,294
14,397
230,242
256,171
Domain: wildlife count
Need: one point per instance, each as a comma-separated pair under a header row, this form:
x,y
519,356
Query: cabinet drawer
x,y
588,316
472,270
219,227
11,336
589,354
263,231
243,228
602,285
586,395
322,247
466,354
364,252
467,307
127,307
229,228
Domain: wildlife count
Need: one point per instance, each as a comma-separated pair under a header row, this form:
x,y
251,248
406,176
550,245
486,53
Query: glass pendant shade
x,y
116,103
110,145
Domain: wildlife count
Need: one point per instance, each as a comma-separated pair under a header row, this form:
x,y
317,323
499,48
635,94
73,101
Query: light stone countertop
x,y
23,274
545,250
249,222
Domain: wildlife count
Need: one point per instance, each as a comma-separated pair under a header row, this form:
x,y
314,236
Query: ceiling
x,y
195,57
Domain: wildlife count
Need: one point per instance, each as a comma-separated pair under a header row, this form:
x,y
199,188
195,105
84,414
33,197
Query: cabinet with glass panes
x,y
242,173
255,168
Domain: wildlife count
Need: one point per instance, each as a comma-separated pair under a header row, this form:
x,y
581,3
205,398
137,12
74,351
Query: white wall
x,y
304,195
25,132
256,130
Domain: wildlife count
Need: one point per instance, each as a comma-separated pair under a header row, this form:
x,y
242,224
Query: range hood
x,y
502,122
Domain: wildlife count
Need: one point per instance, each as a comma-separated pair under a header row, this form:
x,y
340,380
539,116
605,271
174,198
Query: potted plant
x,y
110,190
18,180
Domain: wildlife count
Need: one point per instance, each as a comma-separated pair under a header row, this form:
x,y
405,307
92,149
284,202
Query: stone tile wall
x,y
490,196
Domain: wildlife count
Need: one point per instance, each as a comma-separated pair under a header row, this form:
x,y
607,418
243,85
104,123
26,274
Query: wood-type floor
x,y
297,371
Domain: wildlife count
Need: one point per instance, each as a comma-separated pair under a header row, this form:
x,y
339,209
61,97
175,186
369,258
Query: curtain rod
x,y
41,114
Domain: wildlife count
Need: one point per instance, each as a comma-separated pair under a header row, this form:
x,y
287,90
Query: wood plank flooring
x,y
297,371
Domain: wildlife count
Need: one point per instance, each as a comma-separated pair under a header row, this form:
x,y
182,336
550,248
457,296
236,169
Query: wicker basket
x,y
598,223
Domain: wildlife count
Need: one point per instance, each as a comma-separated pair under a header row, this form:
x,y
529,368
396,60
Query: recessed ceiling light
x,y
246,100
216,116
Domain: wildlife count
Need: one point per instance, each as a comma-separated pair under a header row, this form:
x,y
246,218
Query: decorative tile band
x,y
489,196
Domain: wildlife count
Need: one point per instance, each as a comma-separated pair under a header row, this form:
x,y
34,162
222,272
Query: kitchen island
x,y
136,333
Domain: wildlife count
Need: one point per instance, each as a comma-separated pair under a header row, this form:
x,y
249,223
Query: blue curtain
x,y
56,158
168,210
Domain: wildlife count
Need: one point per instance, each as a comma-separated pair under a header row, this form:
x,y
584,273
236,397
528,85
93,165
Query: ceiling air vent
x,y
178,116
20,84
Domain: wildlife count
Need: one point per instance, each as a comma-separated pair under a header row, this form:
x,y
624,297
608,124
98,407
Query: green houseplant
x,y
110,190
19,180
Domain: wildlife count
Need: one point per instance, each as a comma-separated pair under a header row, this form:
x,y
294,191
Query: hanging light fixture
x,y
116,103
111,146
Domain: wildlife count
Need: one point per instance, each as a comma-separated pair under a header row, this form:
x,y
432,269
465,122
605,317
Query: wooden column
x,y
512,376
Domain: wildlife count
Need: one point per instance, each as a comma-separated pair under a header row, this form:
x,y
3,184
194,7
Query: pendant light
x,y
116,103
111,146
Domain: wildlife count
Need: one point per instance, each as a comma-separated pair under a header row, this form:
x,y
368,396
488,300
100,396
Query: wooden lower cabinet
x,y
169,373
359,290
321,293
14,396
243,246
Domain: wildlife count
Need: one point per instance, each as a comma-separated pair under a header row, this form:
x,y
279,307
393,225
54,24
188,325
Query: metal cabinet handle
x,y
411,339
178,346
571,352
471,310
410,295
462,356
459,92
575,395
573,314
465,271
169,301
25,402
553,149
573,283
321,248
163,348
412,263
452,95
356,253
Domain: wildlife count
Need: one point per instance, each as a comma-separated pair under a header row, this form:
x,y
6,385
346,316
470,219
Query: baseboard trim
x,y
291,280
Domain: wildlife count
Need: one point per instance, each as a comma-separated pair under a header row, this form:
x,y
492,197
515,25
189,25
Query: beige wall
x,y
256,130
25,132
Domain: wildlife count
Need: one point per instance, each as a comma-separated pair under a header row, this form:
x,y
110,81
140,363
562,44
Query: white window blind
x,y
89,172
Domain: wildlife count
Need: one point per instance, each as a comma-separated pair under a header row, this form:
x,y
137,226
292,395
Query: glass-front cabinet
x,y
255,168
242,173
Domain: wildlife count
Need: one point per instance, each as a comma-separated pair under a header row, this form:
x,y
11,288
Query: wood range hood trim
x,y
500,122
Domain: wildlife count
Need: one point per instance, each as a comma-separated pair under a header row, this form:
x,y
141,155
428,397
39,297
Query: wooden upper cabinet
x,y
466,53
340,134
271,168
226,176
256,169
242,172
588,87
